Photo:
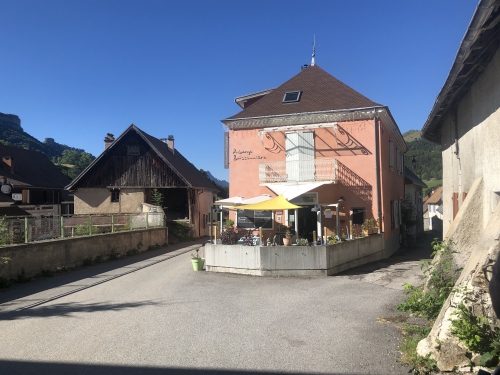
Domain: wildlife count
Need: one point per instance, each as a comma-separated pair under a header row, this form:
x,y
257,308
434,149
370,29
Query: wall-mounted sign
x,y
245,155
17,196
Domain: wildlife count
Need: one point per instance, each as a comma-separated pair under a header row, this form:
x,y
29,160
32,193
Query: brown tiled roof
x,y
31,169
179,164
434,198
320,92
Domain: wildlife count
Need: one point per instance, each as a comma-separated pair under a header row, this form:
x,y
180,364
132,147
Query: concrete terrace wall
x,y
294,260
71,252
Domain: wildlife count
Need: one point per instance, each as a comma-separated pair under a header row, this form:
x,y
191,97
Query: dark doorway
x,y
307,222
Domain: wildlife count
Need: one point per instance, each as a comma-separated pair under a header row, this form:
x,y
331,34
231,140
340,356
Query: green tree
x,y
156,198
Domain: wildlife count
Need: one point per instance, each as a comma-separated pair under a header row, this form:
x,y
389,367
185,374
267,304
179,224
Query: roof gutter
x,y
483,11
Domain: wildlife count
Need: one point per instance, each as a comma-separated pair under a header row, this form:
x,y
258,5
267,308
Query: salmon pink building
x,y
324,147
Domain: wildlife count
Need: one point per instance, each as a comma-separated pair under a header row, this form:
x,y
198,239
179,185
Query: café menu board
x,y
255,219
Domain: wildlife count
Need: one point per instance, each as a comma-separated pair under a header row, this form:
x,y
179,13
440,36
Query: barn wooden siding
x,y
132,171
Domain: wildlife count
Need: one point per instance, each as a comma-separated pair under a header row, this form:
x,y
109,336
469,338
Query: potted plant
x,y
197,261
229,223
288,238
366,227
302,242
332,239
374,226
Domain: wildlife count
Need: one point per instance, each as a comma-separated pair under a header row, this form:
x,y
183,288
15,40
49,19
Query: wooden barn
x,y
122,179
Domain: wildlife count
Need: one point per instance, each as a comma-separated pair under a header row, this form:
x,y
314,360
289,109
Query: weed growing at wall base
x,y
441,276
419,365
427,301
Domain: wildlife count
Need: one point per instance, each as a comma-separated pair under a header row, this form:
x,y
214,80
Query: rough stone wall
x,y
446,348
470,140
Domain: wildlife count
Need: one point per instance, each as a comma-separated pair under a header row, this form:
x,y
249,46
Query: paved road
x,y
152,314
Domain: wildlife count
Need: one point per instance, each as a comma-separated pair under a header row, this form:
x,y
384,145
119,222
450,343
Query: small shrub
x,y
98,259
181,229
113,255
83,229
229,223
476,333
5,236
132,252
229,236
441,277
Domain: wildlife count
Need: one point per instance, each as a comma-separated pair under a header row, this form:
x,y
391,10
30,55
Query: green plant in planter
x,y
229,223
366,226
302,241
332,239
197,261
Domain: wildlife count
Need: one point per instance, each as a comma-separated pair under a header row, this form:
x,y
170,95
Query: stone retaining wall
x,y
71,252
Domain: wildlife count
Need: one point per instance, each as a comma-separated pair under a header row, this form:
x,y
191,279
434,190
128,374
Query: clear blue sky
x,y
76,70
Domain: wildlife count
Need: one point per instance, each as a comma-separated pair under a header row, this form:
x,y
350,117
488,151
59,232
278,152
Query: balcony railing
x,y
298,171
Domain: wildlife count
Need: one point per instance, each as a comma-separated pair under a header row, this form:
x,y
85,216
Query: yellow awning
x,y
273,204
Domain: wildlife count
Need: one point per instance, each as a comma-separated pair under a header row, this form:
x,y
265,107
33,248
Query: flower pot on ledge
x,y
287,241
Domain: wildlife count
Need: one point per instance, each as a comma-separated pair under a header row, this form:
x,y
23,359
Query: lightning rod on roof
x,y
313,62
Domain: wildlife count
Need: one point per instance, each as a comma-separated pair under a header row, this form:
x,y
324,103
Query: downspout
x,y
377,172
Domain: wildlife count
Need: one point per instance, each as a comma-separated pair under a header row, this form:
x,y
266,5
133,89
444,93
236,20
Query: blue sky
x,y
76,70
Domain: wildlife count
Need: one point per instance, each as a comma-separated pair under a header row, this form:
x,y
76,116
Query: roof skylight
x,y
292,96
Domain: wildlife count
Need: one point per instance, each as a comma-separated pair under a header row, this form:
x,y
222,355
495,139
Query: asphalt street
x,y
152,314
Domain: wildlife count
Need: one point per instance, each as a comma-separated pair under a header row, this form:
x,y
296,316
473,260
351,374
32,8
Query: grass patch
x,y
432,184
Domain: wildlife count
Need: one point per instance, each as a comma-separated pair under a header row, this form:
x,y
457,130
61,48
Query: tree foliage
x,y
79,160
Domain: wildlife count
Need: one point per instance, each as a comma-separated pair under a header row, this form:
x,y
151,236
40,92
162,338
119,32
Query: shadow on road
x,y
42,368
70,276
67,309
420,250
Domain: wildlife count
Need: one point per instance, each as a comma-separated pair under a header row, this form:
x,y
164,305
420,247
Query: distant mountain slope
x,y
428,156
12,134
411,135
216,180
17,137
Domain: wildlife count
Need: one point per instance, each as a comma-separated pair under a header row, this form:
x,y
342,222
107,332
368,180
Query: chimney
x,y
9,161
108,139
170,143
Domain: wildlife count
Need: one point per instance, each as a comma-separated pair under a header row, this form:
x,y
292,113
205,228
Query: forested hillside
x,y
429,166
71,161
